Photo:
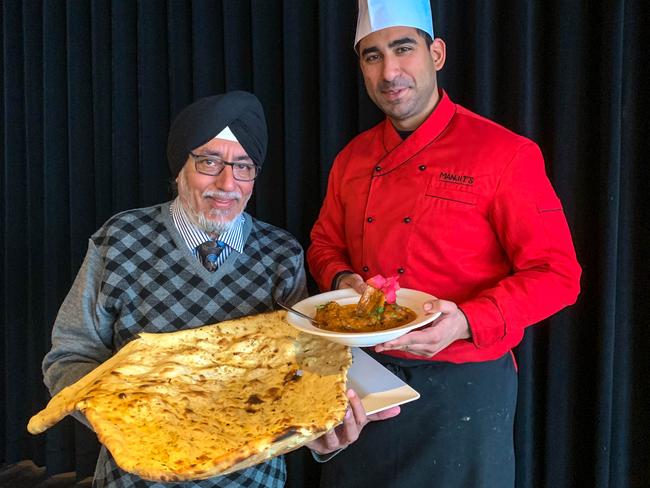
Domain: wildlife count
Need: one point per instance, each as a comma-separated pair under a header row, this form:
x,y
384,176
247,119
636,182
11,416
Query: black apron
x,y
459,433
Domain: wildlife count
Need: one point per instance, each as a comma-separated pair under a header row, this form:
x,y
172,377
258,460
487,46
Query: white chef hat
x,y
227,135
375,15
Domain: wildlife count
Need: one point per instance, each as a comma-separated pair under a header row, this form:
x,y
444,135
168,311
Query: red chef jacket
x,y
462,209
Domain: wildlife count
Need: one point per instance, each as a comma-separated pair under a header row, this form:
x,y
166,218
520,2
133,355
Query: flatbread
x,y
198,403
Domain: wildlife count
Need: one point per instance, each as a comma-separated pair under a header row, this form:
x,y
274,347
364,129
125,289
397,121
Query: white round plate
x,y
406,297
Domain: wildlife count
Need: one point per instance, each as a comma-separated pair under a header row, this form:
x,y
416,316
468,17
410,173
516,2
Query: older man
x,y
458,207
196,260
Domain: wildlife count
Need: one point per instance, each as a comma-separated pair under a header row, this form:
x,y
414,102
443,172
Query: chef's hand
x,y
352,280
348,431
451,326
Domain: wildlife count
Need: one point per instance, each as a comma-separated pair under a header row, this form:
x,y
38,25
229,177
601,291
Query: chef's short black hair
x,y
425,36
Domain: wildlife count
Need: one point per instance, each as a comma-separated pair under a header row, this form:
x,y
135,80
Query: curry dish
x,y
344,318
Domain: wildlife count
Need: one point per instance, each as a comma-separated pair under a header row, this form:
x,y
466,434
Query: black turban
x,y
204,119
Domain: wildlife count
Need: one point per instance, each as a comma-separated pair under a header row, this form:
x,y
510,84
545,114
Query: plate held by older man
x,y
377,388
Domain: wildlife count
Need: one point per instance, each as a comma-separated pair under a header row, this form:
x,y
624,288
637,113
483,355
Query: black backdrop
x,y
88,91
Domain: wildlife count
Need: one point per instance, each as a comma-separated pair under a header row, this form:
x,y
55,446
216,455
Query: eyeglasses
x,y
214,165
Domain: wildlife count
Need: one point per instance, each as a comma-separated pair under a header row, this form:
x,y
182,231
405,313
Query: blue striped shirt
x,y
194,236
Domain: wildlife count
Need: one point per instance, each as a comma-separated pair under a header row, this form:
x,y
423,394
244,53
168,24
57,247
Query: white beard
x,y
216,227
211,226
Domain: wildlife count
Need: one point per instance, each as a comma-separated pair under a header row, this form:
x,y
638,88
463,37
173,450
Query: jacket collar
x,y
399,151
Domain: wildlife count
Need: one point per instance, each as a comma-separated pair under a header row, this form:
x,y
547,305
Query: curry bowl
x,y
406,297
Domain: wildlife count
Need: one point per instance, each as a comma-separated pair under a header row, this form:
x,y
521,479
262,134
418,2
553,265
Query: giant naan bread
x,y
208,401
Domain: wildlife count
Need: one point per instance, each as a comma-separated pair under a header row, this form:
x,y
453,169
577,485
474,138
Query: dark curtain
x,y
88,92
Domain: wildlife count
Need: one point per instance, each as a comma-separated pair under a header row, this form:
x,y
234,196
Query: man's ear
x,y
438,51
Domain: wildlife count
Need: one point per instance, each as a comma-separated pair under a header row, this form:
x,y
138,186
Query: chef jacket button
x,y
400,271
377,168
407,220
422,167
365,269
370,219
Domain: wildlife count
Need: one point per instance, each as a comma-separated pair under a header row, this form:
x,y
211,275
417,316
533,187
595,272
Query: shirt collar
x,y
194,236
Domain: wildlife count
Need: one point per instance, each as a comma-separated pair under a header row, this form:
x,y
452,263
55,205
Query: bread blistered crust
x,y
208,401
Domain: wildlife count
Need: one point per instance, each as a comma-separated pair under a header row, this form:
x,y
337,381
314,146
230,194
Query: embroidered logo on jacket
x,y
459,179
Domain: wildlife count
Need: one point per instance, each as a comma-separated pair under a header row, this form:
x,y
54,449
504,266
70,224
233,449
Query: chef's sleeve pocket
x,y
548,203
552,217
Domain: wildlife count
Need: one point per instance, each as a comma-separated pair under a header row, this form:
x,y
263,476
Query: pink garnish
x,y
388,286
376,281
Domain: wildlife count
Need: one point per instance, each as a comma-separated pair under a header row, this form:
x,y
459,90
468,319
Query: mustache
x,y
222,195
397,83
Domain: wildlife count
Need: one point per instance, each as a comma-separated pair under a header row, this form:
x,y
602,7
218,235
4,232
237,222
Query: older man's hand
x,y
348,431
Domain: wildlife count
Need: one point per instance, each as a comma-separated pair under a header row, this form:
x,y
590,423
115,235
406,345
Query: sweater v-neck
x,y
225,268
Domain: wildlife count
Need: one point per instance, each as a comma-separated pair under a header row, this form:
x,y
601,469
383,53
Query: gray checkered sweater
x,y
139,275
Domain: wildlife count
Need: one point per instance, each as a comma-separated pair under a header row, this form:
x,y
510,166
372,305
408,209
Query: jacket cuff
x,y
335,281
485,320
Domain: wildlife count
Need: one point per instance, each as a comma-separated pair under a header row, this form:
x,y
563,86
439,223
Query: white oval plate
x,y
406,297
